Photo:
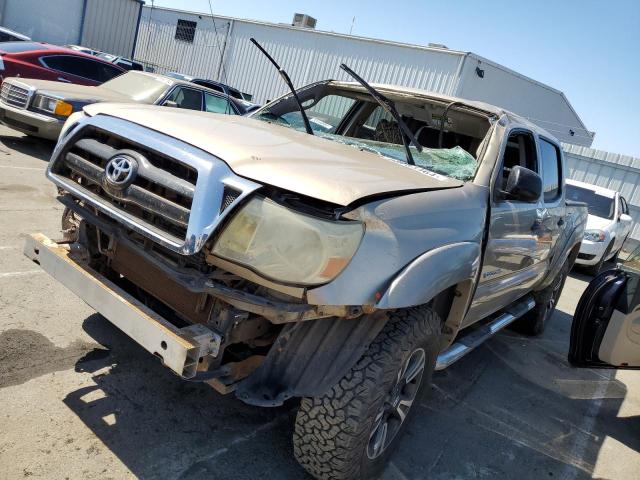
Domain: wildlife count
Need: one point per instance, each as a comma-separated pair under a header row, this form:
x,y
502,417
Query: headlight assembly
x,y
594,235
52,105
288,246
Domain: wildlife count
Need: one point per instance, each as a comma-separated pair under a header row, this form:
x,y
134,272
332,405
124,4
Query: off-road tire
x,y
332,432
534,322
595,269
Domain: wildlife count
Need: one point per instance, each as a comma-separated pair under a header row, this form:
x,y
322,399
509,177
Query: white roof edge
x,y
458,53
537,82
313,30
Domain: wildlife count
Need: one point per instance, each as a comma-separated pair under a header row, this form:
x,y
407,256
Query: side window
x,y
520,151
62,63
81,67
215,104
186,98
551,170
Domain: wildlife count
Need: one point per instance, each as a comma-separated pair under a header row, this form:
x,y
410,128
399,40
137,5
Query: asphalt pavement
x,y
79,400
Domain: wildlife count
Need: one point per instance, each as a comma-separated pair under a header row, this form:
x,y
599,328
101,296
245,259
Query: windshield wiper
x,y
390,107
287,80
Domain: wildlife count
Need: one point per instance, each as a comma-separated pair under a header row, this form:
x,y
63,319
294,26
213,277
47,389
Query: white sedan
x,y
608,224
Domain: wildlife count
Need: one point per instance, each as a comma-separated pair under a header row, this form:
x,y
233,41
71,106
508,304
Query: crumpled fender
x,y
431,273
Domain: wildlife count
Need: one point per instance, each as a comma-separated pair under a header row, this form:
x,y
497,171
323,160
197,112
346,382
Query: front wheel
x,y
349,432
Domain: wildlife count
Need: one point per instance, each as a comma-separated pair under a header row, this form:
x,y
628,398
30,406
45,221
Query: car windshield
x,y
138,86
350,117
599,205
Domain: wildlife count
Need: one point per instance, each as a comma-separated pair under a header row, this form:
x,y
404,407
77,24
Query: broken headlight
x,y
288,246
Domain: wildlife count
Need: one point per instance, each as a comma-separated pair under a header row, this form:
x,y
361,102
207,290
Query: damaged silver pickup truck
x,y
336,246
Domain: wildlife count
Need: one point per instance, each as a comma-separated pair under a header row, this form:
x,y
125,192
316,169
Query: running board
x,y
477,336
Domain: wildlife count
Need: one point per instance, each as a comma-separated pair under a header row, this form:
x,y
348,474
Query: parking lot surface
x,y
78,399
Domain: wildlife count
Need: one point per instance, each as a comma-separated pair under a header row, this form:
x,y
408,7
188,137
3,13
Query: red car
x,y
50,62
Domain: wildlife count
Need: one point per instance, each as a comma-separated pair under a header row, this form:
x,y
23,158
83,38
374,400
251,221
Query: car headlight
x,y
288,246
594,235
52,105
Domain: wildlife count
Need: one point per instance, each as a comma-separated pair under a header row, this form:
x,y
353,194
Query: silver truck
x,y
337,246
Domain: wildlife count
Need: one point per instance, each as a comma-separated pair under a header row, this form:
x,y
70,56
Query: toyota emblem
x,y
120,170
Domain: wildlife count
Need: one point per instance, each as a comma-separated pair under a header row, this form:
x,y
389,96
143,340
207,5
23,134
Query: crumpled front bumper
x,y
180,349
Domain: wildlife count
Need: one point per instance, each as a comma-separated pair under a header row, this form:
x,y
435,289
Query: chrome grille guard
x,y
213,177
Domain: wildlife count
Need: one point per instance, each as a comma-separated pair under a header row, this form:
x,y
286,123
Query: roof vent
x,y
438,45
303,20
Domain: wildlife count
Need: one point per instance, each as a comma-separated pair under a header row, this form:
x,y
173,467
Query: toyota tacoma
x,y
337,246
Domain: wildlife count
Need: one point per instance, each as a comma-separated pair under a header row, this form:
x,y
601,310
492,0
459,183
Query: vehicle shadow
x,y
161,426
514,408
34,147
511,409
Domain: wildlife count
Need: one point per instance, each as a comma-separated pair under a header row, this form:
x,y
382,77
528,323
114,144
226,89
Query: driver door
x,y
605,332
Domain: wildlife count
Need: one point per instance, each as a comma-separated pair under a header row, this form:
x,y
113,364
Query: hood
x,y
283,157
72,92
597,223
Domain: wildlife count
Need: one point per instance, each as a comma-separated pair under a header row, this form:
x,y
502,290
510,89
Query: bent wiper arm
x,y
287,80
389,106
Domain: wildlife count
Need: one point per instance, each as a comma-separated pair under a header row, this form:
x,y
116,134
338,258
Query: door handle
x,y
560,222
62,79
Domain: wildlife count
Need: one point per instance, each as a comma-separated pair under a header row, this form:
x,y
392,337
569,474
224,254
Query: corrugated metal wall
x,y
310,55
159,50
609,170
110,25
58,22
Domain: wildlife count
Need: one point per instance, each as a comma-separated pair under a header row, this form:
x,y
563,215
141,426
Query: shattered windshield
x,y
356,120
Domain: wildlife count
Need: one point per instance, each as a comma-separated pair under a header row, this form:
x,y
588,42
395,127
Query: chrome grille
x,y
176,197
13,95
160,195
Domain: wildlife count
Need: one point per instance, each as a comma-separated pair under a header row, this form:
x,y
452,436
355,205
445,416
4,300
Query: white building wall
x,y
53,21
111,25
307,55
311,55
543,105
609,170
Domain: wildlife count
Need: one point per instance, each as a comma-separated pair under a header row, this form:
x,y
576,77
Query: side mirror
x,y
524,185
170,103
625,218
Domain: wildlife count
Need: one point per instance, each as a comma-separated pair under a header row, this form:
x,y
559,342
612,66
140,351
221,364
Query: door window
x,y
520,151
551,170
81,67
215,104
186,98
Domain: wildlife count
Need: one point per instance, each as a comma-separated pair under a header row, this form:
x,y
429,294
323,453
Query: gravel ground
x,y
78,399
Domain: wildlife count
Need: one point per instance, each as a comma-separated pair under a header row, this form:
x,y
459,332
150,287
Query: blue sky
x,y
588,49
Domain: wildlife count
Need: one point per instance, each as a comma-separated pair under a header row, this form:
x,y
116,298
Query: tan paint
x,y
280,156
